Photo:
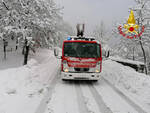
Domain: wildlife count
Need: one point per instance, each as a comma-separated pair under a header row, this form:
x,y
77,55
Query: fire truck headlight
x,y
65,66
66,70
97,71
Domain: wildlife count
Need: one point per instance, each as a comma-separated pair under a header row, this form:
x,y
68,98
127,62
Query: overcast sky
x,y
92,12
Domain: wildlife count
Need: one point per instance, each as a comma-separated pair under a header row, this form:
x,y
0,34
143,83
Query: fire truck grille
x,y
81,69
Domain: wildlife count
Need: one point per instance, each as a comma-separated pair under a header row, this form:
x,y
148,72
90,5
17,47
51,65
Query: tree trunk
x,y
4,52
23,49
16,48
143,55
5,44
26,55
140,41
133,53
26,52
17,44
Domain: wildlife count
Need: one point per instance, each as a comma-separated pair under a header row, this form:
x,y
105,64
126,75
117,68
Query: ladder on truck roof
x,y
80,34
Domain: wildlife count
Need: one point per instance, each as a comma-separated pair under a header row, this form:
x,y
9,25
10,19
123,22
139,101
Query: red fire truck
x,y
81,58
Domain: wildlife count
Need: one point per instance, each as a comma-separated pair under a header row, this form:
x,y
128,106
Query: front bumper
x,y
80,76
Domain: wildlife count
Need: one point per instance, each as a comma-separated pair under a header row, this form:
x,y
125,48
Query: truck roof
x,y
81,39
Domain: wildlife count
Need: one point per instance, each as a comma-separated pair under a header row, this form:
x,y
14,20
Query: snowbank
x,y
21,89
135,85
126,60
13,59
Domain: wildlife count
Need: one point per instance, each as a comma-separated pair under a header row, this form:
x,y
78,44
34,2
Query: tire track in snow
x,y
89,99
121,94
80,98
101,105
64,98
52,83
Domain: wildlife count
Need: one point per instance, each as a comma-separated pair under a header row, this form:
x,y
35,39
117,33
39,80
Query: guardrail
x,y
138,66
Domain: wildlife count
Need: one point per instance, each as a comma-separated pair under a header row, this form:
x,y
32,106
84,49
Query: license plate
x,y
81,78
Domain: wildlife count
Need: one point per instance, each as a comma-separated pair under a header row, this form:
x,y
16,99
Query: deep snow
x,y
135,85
23,88
13,59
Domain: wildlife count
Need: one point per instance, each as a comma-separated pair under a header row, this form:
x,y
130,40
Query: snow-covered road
x,y
38,88
88,97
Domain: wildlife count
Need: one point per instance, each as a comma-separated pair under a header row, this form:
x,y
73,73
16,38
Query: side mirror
x,y
56,53
105,54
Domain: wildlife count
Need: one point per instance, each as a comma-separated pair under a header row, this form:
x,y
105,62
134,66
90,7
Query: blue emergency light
x,y
69,38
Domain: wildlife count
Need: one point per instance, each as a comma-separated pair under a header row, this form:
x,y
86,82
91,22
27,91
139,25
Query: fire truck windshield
x,y
81,50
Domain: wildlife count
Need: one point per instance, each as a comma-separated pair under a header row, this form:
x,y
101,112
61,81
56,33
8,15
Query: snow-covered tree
x,y
123,47
39,19
142,10
133,48
101,34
